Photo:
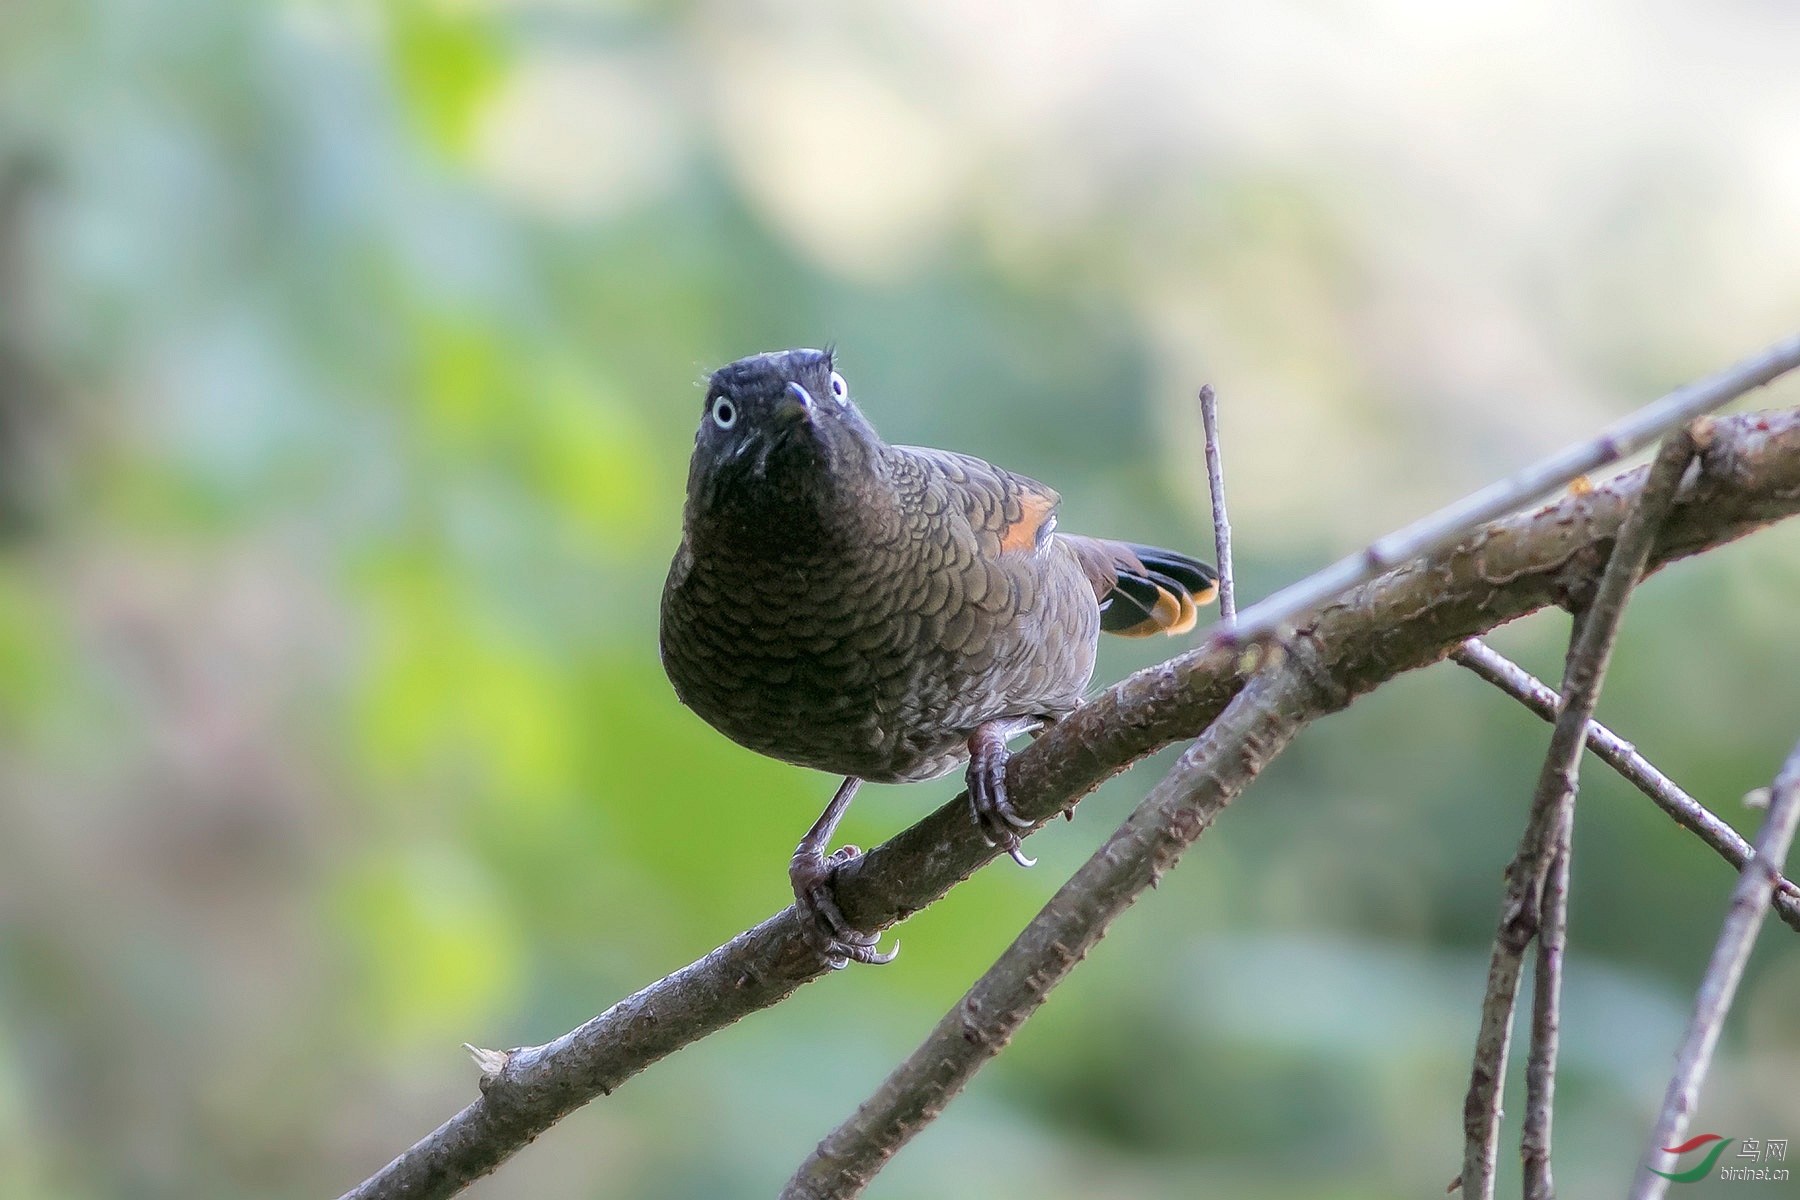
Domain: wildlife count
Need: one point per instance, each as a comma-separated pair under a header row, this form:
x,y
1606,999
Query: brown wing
x,y
1141,590
1008,513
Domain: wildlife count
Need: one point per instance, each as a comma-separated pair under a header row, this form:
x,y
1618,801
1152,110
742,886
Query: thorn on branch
x,y
490,1062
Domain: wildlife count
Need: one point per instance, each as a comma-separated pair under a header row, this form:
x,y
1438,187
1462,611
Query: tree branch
x,y
1215,481
1409,618
1254,727
1623,757
1749,901
1445,526
1550,818
1546,1016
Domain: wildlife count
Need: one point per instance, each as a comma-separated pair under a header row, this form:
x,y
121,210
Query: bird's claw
x,y
994,814
836,940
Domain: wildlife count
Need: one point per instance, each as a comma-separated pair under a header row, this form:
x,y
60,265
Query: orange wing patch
x,y
1036,510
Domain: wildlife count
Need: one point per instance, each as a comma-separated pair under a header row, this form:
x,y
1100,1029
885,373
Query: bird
x,y
884,612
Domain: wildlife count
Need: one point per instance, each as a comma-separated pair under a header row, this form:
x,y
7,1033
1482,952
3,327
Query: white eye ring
x,y
839,388
724,413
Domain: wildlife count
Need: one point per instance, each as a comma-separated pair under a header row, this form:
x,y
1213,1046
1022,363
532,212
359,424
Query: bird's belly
x,y
887,697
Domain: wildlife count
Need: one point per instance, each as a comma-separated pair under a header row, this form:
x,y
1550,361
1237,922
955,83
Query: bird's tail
x,y
1144,589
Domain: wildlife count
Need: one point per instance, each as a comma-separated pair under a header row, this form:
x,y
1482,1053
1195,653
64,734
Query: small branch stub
x,y
490,1062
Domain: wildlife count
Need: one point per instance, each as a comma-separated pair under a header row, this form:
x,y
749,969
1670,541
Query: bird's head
x,y
779,432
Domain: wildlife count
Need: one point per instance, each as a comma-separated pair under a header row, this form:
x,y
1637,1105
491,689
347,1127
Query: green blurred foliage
x,y
349,354
447,62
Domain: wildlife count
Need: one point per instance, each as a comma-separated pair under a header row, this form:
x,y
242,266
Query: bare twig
x,y
1623,757
1407,619
1546,1020
1273,706
1749,901
1215,479
1552,807
1447,525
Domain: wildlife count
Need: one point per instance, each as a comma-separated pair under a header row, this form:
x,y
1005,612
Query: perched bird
x,y
884,612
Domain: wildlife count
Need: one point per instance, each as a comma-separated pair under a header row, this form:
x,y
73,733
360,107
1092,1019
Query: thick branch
x,y
1548,824
1447,525
1235,748
1749,901
1409,618
1623,757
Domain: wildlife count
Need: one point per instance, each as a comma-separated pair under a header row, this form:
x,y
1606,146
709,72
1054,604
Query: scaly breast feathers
x,y
881,663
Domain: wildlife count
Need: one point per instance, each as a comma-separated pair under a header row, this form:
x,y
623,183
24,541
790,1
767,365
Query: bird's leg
x,y
811,872
994,814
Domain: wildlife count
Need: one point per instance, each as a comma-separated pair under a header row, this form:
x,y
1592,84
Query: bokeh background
x,y
349,354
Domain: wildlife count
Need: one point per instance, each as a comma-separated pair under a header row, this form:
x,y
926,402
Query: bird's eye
x,y
724,413
839,388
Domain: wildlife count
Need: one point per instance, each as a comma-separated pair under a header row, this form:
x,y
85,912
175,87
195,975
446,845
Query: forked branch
x,y
1254,727
1544,848
1408,618
1633,767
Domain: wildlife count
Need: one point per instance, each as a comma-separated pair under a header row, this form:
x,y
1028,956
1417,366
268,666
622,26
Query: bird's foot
x,y
995,816
836,940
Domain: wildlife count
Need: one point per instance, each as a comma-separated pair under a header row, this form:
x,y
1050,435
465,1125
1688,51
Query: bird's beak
x,y
796,404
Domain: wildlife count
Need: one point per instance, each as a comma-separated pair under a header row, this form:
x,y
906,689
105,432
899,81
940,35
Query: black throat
x,y
778,500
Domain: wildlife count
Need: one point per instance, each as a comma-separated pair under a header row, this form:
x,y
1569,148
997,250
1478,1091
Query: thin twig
x,y
1402,621
1551,913
1749,901
1623,758
1448,525
1215,480
1546,1020
1521,914
1273,706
